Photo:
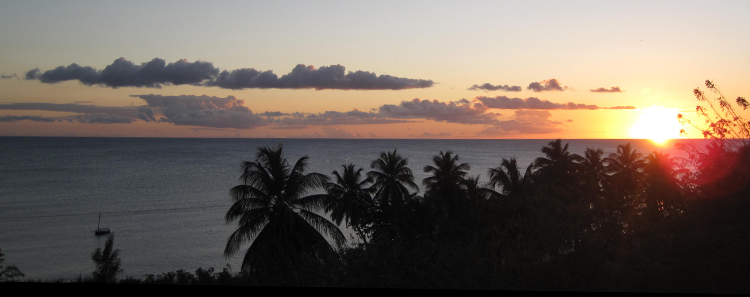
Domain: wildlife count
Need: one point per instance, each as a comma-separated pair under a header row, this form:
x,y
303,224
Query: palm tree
x,y
594,171
661,186
392,179
446,194
107,262
626,169
509,178
447,174
558,161
275,216
350,199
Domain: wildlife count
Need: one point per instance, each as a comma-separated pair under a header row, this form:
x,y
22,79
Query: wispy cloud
x,y
524,122
605,90
503,102
8,76
490,87
204,111
462,112
157,73
28,118
547,85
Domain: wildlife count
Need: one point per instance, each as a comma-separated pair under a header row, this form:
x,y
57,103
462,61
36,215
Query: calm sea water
x,y
165,199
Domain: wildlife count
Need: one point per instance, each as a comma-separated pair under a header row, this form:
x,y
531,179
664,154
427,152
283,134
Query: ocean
x,y
164,198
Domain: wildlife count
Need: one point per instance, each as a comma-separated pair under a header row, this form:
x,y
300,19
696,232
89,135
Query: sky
x,y
366,69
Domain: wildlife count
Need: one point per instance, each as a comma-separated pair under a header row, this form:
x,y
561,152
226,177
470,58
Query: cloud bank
x,y
204,111
490,87
157,73
605,90
547,85
524,122
503,102
308,77
462,112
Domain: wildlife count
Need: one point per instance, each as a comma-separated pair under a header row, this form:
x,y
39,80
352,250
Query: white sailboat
x,y
99,230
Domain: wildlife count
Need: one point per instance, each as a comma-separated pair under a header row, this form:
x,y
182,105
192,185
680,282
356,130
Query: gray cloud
x,y
605,90
204,111
82,118
300,120
331,132
8,76
100,119
123,73
489,87
128,112
27,118
308,77
156,73
524,122
451,112
503,102
546,85
433,135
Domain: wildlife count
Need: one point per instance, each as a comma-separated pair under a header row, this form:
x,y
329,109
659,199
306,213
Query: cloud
x,y
82,118
274,114
123,73
27,118
308,77
100,119
503,102
546,85
128,112
434,135
331,132
8,76
300,120
204,111
622,107
524,122
157,73
451,112
489,87
605,90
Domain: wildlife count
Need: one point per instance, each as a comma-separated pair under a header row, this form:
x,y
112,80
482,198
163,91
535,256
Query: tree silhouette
x,y
274,214
350,200
509,178
446,193
392,179
395,204
9,273
107,262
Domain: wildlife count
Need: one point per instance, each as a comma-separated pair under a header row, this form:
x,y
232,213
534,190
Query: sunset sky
x,y
375,69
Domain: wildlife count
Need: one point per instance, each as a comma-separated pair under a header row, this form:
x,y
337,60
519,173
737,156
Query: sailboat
x,y
99,230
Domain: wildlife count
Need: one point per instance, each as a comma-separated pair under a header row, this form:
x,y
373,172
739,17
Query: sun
x,y
656,123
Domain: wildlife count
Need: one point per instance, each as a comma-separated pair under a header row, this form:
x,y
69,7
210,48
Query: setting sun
x,y
657,124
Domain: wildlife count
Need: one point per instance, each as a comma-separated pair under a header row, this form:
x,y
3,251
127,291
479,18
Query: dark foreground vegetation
x,y
590,222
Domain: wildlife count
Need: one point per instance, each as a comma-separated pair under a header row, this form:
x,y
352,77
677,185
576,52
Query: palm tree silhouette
x,y
392,180
558,161
350,199
394,204
447,174
626,169
509,178
275,216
